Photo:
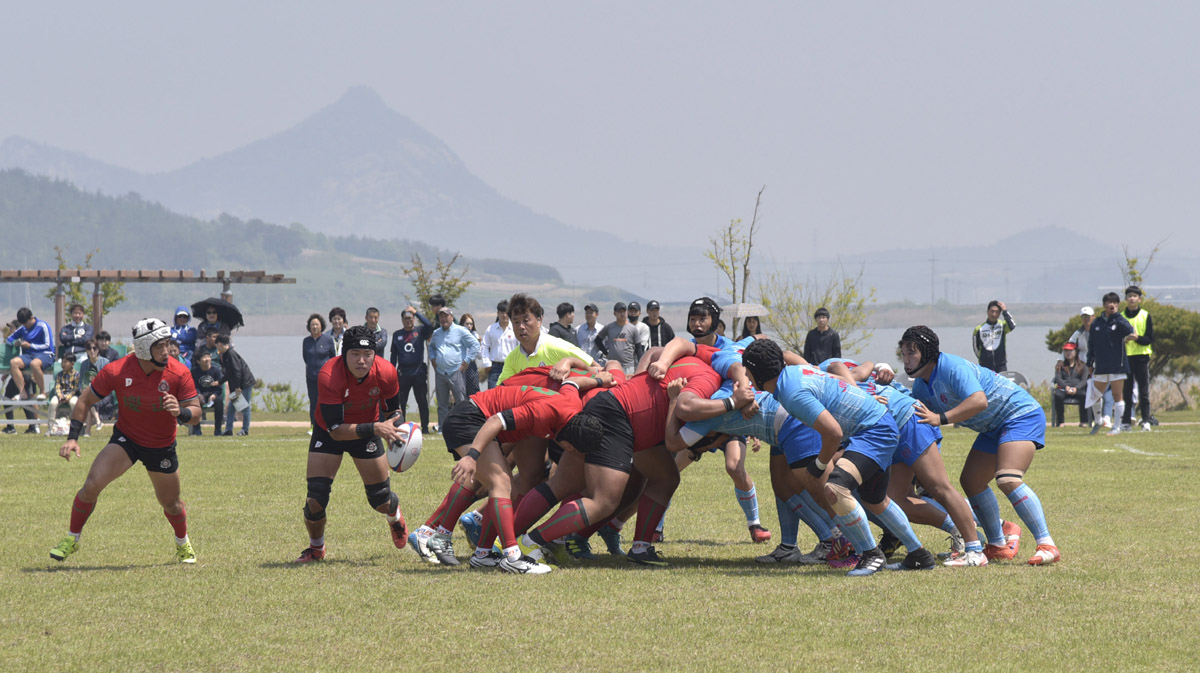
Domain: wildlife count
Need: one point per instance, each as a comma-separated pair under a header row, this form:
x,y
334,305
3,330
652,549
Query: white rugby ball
x,y
403,452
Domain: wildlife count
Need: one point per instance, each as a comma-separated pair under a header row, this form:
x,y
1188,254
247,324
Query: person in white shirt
x,y
586,333
498,342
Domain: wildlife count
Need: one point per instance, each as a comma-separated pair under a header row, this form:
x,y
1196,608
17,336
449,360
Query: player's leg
x,y
978,471
873,493
850,515
1118,411
376,478
1012,462
112,461
956,517
320,472
167,491
604,485
783,487
657,465
743,489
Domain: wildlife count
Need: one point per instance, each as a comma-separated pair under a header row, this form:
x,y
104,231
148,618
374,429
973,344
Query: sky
x,y
873,126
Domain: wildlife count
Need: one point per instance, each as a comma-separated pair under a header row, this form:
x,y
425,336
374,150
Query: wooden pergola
x,y
61,277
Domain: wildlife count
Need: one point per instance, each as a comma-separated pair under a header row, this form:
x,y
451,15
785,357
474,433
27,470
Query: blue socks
x,y
789,521
808,511
1029,508
893,518
987,510
856,529
748,501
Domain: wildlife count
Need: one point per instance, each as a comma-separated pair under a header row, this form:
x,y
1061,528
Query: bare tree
x,y
731,251
793,302
443,280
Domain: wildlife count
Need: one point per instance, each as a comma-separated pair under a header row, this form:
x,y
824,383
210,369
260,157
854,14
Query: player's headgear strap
x,y
926,341
146,333
764,360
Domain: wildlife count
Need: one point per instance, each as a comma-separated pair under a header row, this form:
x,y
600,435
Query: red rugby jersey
x,y
645,399
360,400
139,398
537,411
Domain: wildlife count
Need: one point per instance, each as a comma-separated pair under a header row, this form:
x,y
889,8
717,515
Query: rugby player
x,y
359,398
1011,427
154,393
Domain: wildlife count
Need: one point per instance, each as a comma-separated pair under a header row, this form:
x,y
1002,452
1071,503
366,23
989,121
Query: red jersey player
x,y
357,396
154,393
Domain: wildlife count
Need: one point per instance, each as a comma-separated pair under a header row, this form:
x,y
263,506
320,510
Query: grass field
x,y
1125,597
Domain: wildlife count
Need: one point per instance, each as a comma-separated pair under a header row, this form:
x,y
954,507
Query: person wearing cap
x,y
585,334
660,330
1080,336
989,337
561,328
1138,352
633,312
498,342
1070,384
822,342
75,334
618,340
452,349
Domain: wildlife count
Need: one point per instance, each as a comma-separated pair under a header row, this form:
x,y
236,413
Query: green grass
x,y
1124,598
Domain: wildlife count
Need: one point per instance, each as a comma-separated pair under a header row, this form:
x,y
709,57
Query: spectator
x,y
88,369
210,345
12,350
103,342
618,339
211,323
66,387
720,327
1070,384
337,322
822,342
316,350
471,373
990,336
451,348
498,342
660,331
73,335
751,326
174,352
633,313
209,377
185,334
37,351
588,331
1080,336
1138,352
561,328
408,357
436,303
1106,356
241,385
381,335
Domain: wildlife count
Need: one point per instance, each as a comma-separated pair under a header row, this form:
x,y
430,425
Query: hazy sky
x,y
873,126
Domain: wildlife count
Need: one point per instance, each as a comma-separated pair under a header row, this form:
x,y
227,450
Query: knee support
x,y
840,486
318,491
378,494
1013,479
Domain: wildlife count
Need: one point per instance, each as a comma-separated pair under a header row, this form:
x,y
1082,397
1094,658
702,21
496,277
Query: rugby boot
x,y
419,539
489,560
523,565
817,556
967,559
870,562
649,557
68,546
917,559
184,552
579,547
443,549
781,555
612,540
1012,536
399,530
759,534
889,544
472,525
311,554
1045,555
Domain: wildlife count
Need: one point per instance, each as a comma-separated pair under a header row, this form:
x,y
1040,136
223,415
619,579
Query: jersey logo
x,y
128,382
370,447
163,386
166,462
375,391
347,393
317,445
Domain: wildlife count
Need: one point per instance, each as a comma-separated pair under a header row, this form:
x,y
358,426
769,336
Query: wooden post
x,y
97,308
226,293
60,300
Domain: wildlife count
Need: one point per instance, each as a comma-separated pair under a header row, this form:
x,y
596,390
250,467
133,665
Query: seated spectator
x,y
37,352
66,387
211,323
73,335
209,377
104,343
750,326
209,345
10,351
1070,384
174,352
91,365
184,333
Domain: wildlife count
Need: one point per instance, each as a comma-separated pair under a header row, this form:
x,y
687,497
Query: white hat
x,y
1087,310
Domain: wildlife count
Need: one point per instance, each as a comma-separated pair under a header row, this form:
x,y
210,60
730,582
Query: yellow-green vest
x,y
1139,327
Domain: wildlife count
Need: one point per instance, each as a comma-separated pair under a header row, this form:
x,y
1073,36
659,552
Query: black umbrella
x,y
227,313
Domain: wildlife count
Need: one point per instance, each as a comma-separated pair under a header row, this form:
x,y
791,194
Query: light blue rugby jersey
x,y
804,392
763,425
729,355
955,379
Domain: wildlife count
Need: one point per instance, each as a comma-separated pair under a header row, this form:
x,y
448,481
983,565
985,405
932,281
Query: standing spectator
x,y
1107,359
381,335
720,327
660,331
37,351
451,348
408,357
209,377
752,326
104,343
498,342
588,331
822,343
88,369
561,328
990,336
210,345
241,385
75,334
337,328
1138,352
633,313
1070,384
1080,336
211,323
471,373
618,339
185,334
66,386
316,350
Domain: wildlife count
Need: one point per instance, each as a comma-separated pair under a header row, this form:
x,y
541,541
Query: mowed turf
x,y
1125,597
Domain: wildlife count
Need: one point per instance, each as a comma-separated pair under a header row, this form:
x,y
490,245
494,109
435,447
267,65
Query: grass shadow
x,y
70,568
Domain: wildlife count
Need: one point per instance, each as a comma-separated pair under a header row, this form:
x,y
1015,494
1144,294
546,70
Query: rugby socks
x,y
179,523
570,517
789,520
460,499
1117,412
856,529
501,511
533,507
487,534
316,542
748,501
80,511
1029,508
807,509
893,517
649,514
987,511
662,520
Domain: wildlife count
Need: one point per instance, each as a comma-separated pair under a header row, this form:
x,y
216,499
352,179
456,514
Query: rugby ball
x,y
402,453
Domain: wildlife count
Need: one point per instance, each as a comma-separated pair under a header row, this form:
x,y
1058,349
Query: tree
x,y
730,253
441,280
114,293
793,303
